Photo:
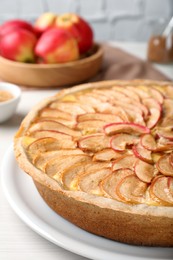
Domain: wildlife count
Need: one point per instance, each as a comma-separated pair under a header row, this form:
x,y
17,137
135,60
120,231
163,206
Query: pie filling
x,y
114,142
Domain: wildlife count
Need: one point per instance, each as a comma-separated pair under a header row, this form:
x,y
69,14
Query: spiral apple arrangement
x,y
52,39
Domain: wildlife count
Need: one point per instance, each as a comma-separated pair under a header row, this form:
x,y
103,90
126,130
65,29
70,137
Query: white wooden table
x,y
18,241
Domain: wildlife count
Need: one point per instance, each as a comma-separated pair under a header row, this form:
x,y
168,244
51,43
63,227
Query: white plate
x,y
30,207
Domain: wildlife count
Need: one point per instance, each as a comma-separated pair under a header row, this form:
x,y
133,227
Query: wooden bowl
x,y
52,75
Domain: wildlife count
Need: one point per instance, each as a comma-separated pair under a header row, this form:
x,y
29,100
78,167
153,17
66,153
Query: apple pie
x,y
101,156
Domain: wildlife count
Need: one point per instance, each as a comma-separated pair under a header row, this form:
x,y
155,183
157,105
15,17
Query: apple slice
x,y
128,92
148,142
50,112
144,171
99,116
89,182
157,95
91,126
126,161
72,174
160,192
142,153
140,92
168,113
94,143
171,159
53,126
65,141
170,185
164,144
163,165
69,123
43,145
56,166
106,155
166,133
131,189
74,108
126,127
108,184
155,110
119,142
128,106
42,159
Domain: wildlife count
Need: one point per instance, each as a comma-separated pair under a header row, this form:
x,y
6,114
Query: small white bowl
x,y
8,108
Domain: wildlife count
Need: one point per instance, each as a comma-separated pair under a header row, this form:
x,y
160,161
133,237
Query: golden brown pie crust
x,y
137,224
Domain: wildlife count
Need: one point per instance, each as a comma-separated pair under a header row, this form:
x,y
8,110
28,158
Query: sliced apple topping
x,y
159,191
90,182
164,144
142,153
171,159
90,126
42,145
166,133
131,189
69,123
106,155
56,166
148,142
55,113
109,184
72,175
94,143
155,110
170,185
54,126
144,171
65,141
126,161
119,142
42,159
163,165
99,116
167,118
157,95
126,127
74,108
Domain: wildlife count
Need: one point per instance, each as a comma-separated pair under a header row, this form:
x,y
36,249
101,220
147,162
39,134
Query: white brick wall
x,y
132,20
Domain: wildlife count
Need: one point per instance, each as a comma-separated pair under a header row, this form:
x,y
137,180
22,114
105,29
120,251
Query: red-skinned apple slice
x,y
168,113
119,142
126,161
157,95
142,153
159,191
74,108
90,126
108,184
163,165
56,166
164,144
129,93
90,182
94,143
51,112
154,117
171,159
148,142
99,116
144,171
131,189
72,174
42,159
166,133
69,123
54,126
106,155
126,127
65,141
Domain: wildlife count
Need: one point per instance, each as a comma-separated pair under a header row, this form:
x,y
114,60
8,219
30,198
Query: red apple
x,y
44,22
79,28
15,24
18,45
57,46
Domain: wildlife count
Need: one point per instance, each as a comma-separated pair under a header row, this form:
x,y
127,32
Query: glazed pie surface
x,y
109,144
